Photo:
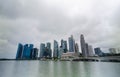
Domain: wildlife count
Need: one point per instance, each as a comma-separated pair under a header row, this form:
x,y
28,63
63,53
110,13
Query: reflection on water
x,y
58,69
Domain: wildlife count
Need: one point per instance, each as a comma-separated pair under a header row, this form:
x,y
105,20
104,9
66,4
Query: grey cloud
x,y
29,21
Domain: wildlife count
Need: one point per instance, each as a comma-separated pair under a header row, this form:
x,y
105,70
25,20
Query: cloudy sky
x,y
37,21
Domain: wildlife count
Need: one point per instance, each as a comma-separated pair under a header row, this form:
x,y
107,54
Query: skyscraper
x,y
87,50
42,50
34,53
27,51
71,44
64,46
90,48
61,50
62,42
83,46
19,51
56,50
46,52
49,50
76,48
65,49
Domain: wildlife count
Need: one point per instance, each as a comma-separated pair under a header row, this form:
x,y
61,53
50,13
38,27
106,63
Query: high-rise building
x,y
76,48
48,45
65,49
98,51
34,53
56,50
49,50
42,50
62,43
64,46
83,46
46,52
90,50
61,51
71,44
87,50
19,51
27,51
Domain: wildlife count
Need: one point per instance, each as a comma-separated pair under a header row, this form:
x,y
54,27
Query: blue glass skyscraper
x,y
42,50
56,50
71,44
27,51
19,51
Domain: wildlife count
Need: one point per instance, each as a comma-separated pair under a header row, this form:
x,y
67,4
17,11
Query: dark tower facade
x,y
83,46
64,46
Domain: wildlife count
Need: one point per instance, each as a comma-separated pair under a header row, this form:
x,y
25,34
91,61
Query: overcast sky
x,y
37,21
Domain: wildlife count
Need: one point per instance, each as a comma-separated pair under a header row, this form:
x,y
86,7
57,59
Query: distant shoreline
x,y
75,60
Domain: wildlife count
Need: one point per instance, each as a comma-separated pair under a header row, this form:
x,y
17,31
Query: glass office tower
x,y
42,50
19,51
71,44
56,50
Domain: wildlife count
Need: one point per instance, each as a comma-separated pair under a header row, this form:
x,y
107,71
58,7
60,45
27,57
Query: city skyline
x,y
28,52
61,51
37,21
66,44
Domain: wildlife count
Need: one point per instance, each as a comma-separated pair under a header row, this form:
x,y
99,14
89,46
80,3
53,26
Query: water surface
x,y
58,69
